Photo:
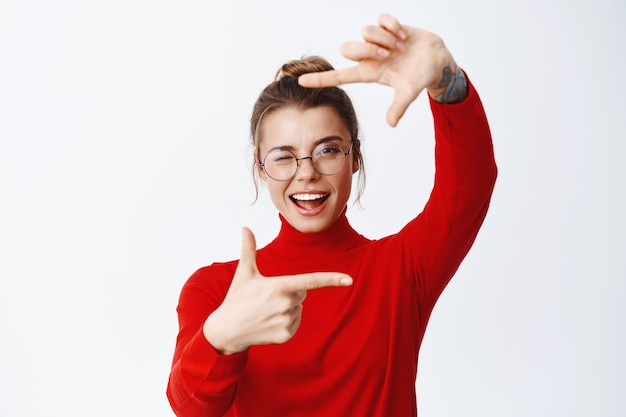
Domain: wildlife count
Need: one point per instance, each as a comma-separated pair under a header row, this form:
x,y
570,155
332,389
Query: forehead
x,y
301,128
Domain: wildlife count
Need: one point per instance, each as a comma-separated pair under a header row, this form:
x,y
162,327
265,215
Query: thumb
x,y
404,96
247,261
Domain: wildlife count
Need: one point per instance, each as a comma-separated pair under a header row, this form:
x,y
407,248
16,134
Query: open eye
x,y
326,150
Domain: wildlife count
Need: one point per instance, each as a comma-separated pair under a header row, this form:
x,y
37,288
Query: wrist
x,y
219,336
451,88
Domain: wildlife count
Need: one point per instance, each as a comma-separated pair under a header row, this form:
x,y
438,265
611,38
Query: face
x,y
310,202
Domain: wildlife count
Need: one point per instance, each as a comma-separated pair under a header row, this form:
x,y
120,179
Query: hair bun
x,y
298,67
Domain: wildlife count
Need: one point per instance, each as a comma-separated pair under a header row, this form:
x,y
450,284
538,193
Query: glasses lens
x,y
280,164
329,158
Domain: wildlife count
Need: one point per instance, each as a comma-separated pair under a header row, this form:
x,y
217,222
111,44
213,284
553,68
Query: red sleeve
x,y
435,242
202,382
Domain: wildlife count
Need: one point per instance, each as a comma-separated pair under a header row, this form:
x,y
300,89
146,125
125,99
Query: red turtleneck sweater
x,y
356,351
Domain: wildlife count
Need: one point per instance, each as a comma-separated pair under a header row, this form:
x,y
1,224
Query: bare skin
x,y
406,58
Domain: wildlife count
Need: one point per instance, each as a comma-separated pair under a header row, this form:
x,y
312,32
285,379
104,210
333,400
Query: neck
x,y
291,243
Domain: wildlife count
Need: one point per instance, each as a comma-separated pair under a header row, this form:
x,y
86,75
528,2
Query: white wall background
x,y
124,167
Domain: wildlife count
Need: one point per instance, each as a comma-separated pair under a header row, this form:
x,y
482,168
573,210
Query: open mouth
x,y
309,201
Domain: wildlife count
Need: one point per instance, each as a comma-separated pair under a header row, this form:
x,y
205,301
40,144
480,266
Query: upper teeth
x,y
307,196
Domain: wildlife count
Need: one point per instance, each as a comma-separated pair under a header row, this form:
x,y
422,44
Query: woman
x,y
250,344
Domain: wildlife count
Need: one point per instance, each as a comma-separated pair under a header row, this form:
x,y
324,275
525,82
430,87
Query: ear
x,y
260,170
355,161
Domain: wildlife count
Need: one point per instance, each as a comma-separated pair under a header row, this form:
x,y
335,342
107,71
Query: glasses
x,y
327,158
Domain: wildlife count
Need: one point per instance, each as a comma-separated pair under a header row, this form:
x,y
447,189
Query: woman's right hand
x,y
259,310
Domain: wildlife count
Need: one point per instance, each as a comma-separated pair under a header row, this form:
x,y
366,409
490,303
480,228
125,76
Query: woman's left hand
x,y
406,58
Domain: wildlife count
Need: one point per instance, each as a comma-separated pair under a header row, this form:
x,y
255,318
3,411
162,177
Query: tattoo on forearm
x,y
456,86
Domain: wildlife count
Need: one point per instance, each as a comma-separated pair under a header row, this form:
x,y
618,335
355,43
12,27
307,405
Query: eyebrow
x,y
330,138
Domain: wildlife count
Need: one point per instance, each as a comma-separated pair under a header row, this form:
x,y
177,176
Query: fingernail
x,y
383,52
402,34
400,46
347,281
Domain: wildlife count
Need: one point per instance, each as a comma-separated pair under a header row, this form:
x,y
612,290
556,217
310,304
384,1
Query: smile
x,y
309,201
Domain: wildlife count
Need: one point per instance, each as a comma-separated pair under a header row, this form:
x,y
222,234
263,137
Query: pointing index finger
x,y
314,280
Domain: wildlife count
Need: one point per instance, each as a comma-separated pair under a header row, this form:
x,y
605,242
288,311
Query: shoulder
x,y
214,271
210,281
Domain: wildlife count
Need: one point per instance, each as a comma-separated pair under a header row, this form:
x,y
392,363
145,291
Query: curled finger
x,y
296,316
299,297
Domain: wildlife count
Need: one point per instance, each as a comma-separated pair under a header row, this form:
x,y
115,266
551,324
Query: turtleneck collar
x,y
291,243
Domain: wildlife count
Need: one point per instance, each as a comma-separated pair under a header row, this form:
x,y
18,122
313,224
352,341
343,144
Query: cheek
x,y
276,189
345,184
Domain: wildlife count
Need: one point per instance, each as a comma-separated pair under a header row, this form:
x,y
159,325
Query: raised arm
x,y
406,58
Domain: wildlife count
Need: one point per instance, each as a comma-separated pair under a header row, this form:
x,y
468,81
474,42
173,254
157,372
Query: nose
x,y
306,171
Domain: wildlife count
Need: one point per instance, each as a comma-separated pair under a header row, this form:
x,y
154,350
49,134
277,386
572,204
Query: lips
x,y
309,201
